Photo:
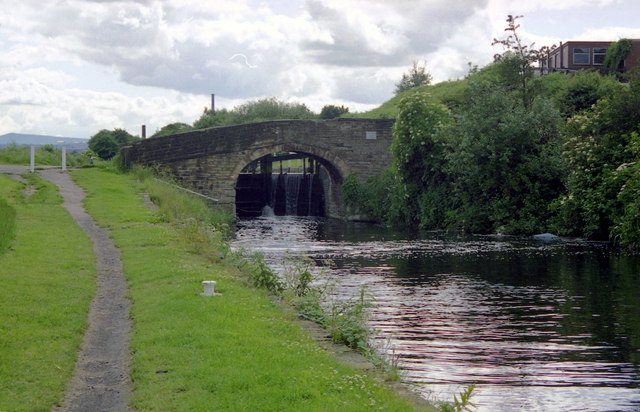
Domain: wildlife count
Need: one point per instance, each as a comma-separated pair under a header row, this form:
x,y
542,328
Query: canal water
x,y
536,326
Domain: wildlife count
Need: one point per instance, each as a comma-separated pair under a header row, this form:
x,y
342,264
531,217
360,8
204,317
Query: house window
x,y
598,55
581,55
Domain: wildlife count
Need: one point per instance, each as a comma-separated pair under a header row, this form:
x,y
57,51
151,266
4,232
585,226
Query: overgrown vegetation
x,y
105,143
254,111
506,151
345,321
331,111
616,54
172,128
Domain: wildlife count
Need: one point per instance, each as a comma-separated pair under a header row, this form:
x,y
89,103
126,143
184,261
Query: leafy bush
x,y
105,143
627,224
617,52
346,322
263,276
173,128
419,157
503,162
583,90
216,118
601,151
352,195
331,112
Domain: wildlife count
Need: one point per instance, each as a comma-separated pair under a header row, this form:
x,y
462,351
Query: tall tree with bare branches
x,y
520,55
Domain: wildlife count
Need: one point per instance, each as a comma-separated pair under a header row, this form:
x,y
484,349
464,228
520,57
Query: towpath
x,y
101,379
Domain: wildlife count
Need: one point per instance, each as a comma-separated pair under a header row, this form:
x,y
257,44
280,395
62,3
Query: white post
x,y
32,165
208,288
64,159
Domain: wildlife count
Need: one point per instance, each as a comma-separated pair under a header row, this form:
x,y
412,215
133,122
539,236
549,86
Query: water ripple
x,y
535,326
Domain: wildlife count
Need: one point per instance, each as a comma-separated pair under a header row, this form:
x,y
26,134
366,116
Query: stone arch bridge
x,y
210,160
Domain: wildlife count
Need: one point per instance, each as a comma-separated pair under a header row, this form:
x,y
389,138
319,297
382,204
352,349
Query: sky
x,y
71,68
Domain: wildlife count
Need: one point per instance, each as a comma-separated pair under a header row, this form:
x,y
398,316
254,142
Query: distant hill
x,y
73,144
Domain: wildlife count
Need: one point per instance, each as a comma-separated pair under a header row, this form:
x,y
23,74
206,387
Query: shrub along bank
x,y
488,154
236,351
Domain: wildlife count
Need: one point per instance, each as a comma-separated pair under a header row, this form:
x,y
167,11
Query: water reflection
x,y
537,326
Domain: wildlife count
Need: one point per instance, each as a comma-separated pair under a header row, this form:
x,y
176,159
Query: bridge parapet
x,y
210,160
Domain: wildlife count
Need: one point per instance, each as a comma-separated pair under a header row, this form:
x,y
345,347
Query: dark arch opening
x,y
283,184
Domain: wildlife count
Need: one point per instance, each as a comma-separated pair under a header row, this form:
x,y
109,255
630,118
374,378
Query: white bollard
x,y
32,164
64,159
208,288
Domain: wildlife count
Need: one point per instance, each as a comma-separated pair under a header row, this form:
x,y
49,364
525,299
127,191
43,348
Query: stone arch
x,y
336,168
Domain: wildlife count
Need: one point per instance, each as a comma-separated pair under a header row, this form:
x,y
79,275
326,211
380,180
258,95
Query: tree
x,y
617,52
417,76
418,156
602,150
122,136
583,90
215,118
502,161
330,111
103,144
520,55
172,128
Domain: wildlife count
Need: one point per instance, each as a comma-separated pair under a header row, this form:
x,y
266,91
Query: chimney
x,y
213,102
144,131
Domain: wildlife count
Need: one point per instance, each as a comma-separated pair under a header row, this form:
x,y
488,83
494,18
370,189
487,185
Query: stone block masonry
x,y
210,160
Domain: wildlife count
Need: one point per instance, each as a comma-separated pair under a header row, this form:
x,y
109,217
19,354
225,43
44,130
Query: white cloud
x,y
78,66
611,33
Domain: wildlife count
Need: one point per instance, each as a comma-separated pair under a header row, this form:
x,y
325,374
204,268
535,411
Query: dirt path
x,y
101,377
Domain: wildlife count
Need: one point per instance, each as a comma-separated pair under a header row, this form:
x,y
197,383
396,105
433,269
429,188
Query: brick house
x,y
579,55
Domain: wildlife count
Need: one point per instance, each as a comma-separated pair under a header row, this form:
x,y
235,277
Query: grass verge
x,y
236,351
7,220
47,280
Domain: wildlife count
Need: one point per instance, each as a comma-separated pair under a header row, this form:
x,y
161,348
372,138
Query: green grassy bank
x,y
237,351
44,155
7,225
47,282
